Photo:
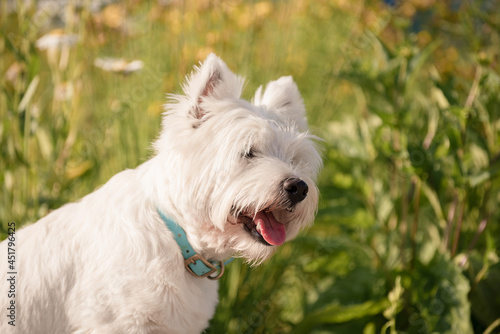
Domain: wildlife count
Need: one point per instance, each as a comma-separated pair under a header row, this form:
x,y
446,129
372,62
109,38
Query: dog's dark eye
x,y
249,154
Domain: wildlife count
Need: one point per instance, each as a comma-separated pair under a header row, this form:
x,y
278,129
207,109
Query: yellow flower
x,y
114,15
263,9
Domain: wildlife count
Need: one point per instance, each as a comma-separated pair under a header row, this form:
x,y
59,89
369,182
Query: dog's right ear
x,y
211,80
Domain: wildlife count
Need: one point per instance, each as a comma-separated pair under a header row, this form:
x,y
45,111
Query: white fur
x,y
108,264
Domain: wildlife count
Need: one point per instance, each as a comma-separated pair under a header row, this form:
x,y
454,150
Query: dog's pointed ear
x,y
211,80
283,97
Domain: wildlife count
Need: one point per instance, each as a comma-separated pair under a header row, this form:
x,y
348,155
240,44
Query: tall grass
x,y
407,99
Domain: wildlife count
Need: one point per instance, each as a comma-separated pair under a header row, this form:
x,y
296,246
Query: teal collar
x,y
195,264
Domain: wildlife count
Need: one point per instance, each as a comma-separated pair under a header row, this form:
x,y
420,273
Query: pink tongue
x,y
271,230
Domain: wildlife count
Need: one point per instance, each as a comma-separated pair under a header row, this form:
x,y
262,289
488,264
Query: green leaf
x,y
440,293
479,178
336,313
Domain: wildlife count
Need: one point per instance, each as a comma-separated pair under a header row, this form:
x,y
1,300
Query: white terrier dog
x,y
139,255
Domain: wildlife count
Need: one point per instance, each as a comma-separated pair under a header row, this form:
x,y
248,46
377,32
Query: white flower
x,y
118,65
55,40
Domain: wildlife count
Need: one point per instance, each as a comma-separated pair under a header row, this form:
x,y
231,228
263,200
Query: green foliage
x,y
408,102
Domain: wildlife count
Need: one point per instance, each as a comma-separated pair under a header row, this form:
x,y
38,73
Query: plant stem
x,y
414,229
449,222
458,229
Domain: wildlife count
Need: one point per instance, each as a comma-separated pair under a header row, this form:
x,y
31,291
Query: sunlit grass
x,y
406,99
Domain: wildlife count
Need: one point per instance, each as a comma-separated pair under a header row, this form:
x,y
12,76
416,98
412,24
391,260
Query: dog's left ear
x,y
212,80
283,96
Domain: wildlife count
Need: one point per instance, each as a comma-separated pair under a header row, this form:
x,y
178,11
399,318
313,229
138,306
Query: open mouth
x,y
264,227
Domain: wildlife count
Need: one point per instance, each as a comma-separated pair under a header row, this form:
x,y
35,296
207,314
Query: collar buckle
x,y
196,265
193,261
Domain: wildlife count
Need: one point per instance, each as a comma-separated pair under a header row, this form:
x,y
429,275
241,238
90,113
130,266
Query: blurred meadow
x,y
406,95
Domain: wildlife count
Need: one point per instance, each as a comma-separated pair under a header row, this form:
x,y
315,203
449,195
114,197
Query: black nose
x,y
296,189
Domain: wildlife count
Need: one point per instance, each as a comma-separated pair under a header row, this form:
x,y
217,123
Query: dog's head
x,y
240,175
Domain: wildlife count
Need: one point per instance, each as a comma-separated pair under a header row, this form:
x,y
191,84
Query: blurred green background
x,y
406,95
